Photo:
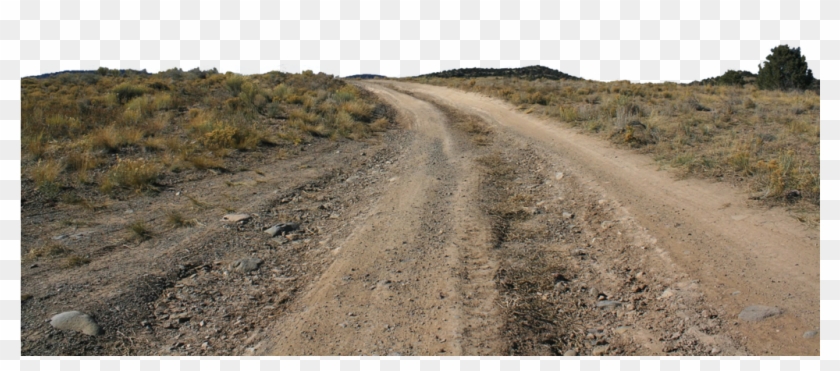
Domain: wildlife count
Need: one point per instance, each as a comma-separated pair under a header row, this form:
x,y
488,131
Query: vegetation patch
x,y
117,132
766,140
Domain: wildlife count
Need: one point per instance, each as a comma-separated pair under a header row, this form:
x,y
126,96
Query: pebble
x,y
246,265
758,312
558,176
570,353
811,334
76,321
608,304
235,217
568,215
621,329
600,350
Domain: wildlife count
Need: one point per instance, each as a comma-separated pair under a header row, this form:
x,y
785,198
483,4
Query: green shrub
x,y
126,92
784,69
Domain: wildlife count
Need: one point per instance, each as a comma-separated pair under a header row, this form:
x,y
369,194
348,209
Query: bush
x,y
234,84
130,174
731,78
784,69
126,92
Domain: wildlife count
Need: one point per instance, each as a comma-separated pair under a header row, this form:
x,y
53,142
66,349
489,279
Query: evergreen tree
x,y
785,68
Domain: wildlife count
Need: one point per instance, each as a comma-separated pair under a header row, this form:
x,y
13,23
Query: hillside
x,y
526,73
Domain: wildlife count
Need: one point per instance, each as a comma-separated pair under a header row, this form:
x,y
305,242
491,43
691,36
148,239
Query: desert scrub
x,y
131,174
176,122
702,131
45,173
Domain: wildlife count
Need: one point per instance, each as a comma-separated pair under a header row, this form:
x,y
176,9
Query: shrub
x,y
234,84
126,92
45,173
784,69
130,174
111,139
731,78
359,110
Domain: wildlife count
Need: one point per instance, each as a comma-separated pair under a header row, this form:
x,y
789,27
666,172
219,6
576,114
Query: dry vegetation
x,y
768,141
113,133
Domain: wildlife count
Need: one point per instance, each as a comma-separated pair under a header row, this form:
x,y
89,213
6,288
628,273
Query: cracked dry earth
x,y
472,229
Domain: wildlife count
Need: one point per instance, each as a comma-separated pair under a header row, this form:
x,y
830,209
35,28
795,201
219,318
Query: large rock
x,y
755,313
76,321
246,265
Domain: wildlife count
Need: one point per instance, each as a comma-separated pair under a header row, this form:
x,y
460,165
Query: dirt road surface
x,y
392,288
469,229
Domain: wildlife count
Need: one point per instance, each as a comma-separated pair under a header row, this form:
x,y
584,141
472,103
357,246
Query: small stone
x,y
608,304
811,334
568,215
246,265
715,351
600,350
558,176
570,353
758,312
621,329
233,218
76,321
60,237
667,294
33,266
280,228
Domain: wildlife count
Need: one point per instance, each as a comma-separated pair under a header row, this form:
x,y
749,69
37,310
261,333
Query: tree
x,y
785,69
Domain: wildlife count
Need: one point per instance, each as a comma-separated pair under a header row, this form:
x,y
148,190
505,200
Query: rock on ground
x,y
76,321
246,265
280,228
758,312
235,217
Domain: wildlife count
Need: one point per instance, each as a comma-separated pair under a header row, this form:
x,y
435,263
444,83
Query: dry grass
x,y
48,250
74,261
177,220
139,231
768,141
137,175
119,132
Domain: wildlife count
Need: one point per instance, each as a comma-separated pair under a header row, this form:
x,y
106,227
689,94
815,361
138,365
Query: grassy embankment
x,y
766,141
110,133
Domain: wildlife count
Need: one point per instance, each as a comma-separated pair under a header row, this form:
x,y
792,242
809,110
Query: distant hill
x,y
527,73
365,76
87,72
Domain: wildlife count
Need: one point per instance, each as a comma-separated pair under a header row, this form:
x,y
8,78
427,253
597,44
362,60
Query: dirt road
x,y
682,257
469,229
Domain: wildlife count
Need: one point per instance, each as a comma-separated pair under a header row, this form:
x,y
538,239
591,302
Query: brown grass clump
x,y
74,261
45,173
177,220
131,174
47,250
139,231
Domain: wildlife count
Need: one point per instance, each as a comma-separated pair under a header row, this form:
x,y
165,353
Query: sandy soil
x,y
517,238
